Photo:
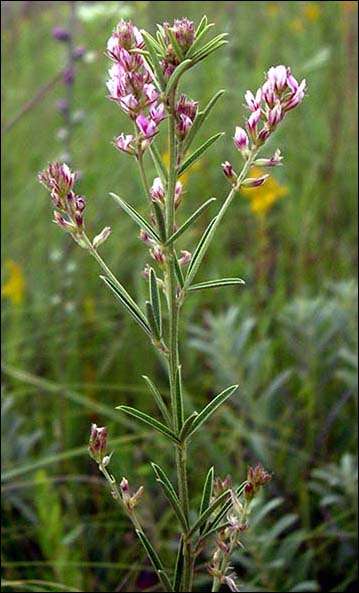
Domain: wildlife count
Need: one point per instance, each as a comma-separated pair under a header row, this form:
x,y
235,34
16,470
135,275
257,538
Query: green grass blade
x,y
152,321
160,221
176,75
155,560
177,576
199,252
208,512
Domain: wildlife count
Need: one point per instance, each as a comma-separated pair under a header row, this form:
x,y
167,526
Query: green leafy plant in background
x,y
145,78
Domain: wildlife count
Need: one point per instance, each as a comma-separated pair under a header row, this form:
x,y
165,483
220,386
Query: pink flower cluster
x,y
186,111
184,33
59,180
280,93
131,85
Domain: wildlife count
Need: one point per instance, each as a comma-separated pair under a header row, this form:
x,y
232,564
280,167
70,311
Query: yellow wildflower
x,y
296,25
262,198
183,179
14,287
312,12
272,8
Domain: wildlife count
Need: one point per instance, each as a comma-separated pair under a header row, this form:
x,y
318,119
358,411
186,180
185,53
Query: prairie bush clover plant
x,y
144,81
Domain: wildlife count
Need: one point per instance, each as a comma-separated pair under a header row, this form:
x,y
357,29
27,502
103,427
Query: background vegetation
x,y
289,337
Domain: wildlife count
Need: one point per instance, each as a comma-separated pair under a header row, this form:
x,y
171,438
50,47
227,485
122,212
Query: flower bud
x,y
275,160
240,137
157,191
98,443
60,34
101,237
185,258
228,171
254,181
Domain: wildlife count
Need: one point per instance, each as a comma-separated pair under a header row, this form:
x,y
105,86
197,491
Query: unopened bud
x,y
185,258
101,237
254,181
228,171
98,443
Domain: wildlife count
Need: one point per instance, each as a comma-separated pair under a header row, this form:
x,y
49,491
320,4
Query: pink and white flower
x,y
241,139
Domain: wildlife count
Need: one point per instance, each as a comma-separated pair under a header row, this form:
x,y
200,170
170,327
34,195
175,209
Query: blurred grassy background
x,y
289,338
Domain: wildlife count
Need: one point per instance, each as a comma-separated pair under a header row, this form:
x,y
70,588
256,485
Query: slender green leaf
x,y
159,164
179,399
170,493
142,223
216,283
160,221
159,400
150,421
160,41
177,576
190,221
202,24
200,119
155,560
212,45
176,75
198,40
129,305
178,271
187,426
197,154
152,321
207,493
153,47
199,252
175,45
212,407
155,300
208,512
166,583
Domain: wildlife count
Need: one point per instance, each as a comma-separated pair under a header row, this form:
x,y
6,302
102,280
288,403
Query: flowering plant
x,y
144,80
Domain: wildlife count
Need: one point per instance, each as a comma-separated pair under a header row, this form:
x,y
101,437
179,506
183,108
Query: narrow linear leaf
x,y
200,119
159,164
207,493
177,576
142,223
160,41
149,421
223,512
212,45
170,493
178,270
175,45
212,407
216,283
159,400
197,154
129,305
187,426
199,252
202,24
190,221
179,399
153,47
208,512
155,560
152,321
142,52
176,75
205,55
160,221
198,40
166,583
155,300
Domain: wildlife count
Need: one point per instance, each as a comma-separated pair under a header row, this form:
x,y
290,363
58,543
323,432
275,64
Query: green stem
x,y
173,361
144,179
